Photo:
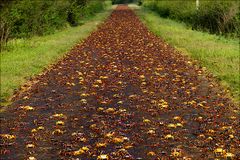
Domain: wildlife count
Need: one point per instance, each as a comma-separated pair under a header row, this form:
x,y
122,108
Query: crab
x,y
60,123
176,152
57,132
110,110
219,151
118,139
27,108
103,157
169,136
146,121
30,146
151,153
171,125
99,145
8,136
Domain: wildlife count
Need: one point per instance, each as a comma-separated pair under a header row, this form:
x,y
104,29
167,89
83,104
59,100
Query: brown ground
x,y
121,94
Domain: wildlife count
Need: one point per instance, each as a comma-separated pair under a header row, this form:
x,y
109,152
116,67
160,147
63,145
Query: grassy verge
x,y
219,55
28,57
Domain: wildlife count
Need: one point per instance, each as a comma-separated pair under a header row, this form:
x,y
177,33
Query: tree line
x,y
217,17
26,18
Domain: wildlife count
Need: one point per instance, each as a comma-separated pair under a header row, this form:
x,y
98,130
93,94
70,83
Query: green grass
x,y
28,57
219,55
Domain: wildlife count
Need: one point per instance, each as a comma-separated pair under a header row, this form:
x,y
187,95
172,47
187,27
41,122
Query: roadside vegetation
x,y
216,17
220,55
28,18
26,57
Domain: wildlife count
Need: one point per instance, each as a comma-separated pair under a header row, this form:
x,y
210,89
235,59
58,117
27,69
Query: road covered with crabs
x,y
121,94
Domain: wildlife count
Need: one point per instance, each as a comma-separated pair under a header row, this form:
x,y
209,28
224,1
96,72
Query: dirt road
x,y
121,94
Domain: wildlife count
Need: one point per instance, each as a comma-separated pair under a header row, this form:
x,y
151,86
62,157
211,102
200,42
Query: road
x,y
121,94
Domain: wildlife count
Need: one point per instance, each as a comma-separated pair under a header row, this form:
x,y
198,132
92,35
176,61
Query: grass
x,y
219,55
28,57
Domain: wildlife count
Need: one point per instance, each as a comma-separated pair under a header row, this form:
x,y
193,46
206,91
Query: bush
x,y
218,17
78,10
4,24
36,17
26,18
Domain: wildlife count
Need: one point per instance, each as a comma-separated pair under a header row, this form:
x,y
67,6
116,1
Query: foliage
x,y
218,17
43,19
81,9
4,24
25,18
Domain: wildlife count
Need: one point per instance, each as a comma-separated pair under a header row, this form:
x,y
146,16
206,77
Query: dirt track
x,y
121,94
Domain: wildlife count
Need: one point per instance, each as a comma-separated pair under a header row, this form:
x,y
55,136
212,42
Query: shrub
x,y
4,24
78,10
26,18
218,17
